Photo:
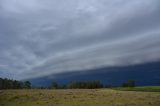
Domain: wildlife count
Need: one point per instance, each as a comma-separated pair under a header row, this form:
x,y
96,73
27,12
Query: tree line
x,y
14,84
78,85
94,84
88,85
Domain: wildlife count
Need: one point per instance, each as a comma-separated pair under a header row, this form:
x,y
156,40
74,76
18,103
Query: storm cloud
x,y
46,37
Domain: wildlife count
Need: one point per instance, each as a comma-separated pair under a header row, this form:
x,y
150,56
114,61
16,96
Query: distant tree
x,y
85,84
64,86
13,84
27,84
54,85
1,83
41,87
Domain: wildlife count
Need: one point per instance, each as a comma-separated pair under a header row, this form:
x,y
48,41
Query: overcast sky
x,y
43,37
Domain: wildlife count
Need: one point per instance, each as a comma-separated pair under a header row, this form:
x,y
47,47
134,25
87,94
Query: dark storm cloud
x,y
38,38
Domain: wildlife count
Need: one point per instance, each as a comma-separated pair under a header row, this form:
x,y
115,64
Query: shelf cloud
x,y
39,38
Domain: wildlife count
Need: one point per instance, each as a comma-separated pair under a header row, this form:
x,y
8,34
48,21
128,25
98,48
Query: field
x,y
77,97
145,89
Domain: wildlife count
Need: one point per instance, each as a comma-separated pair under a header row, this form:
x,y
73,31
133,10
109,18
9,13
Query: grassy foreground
x,y
146,89
77,97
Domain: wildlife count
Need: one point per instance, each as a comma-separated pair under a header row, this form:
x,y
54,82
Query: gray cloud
x,y
39,38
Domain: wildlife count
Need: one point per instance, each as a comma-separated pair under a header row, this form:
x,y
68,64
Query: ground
x,y
77,97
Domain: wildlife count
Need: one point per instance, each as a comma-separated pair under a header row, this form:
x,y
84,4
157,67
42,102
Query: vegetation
x,y
77,85
77,93
88,85
126,86
85,85
14,84
27,85
77,97
146,89
55,85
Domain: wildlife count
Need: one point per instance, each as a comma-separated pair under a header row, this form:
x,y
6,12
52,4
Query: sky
x,y
43,37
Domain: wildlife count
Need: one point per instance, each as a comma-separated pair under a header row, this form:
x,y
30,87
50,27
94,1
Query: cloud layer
x,y
39,38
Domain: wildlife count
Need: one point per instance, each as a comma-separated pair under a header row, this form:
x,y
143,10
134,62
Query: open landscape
x,y
78,97
79,52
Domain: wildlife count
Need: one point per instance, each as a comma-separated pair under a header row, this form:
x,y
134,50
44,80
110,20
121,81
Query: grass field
x,y
145,89
77,97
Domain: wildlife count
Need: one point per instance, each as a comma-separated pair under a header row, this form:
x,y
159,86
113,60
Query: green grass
x,y
78,97
145,89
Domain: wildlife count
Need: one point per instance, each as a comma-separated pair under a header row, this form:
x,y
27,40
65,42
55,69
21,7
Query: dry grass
x,y
100,97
